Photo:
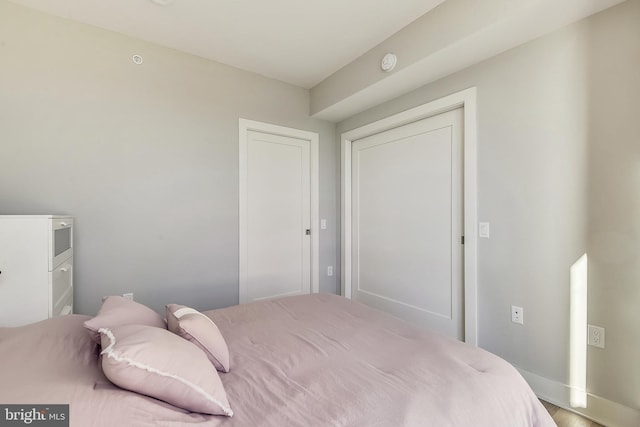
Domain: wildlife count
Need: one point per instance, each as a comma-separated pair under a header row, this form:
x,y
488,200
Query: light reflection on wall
x,y
578,333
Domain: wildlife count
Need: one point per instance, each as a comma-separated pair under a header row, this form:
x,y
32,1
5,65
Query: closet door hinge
x,y
462,240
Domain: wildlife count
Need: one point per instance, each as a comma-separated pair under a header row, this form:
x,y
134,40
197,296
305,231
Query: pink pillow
x,y
157,363
117,311
194,326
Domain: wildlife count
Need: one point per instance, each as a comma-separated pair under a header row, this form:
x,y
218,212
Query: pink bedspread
x,y
317,360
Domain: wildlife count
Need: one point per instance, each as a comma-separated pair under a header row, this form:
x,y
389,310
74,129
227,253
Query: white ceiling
x,y
337,43
481,29
297,41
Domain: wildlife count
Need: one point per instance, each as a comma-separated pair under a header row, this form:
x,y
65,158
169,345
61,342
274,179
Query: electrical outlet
x,y
128,296
517,314
596,336
330,270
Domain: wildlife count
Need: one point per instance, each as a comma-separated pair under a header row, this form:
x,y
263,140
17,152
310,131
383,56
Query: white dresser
x,y
36,268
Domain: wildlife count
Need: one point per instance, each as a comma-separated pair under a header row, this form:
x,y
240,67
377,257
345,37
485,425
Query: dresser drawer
x,y
36,261
64,306
62,286
61,241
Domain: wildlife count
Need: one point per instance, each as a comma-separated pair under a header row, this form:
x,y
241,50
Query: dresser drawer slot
x,y
62,289
65,305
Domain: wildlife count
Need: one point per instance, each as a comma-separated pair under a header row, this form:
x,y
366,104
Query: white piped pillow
x,y
157,363
197,328
117,311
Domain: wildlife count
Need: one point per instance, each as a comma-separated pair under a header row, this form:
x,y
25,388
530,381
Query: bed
x,y
313,360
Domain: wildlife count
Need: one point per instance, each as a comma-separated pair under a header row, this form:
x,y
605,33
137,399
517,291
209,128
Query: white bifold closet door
x,y
407,213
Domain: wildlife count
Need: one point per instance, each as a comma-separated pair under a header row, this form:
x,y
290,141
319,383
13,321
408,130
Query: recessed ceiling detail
x,y
298,42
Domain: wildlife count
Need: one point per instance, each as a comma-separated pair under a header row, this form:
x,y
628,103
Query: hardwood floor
x,y
565,418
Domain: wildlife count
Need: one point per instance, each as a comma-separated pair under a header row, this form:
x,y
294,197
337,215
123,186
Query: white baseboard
x,y
603,411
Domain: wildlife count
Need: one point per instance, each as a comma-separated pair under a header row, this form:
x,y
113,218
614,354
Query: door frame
x,y
466,99
244,127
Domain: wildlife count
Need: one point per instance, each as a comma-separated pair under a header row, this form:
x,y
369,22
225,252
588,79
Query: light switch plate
x,y
483,230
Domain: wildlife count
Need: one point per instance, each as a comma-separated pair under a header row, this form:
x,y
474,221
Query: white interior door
x,y
275,245
407,222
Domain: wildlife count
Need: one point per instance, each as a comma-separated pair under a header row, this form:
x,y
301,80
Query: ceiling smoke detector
x,y
388,62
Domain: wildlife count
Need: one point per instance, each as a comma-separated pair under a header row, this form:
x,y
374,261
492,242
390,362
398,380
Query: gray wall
x,y
558,176
144,157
